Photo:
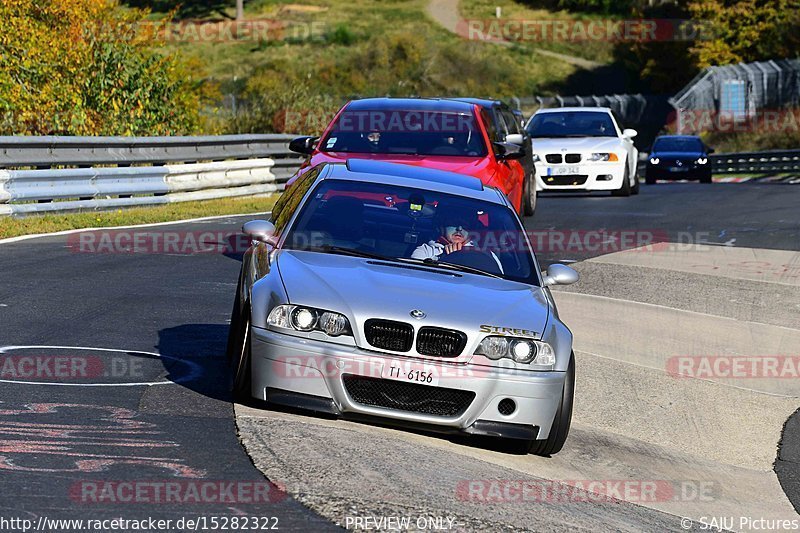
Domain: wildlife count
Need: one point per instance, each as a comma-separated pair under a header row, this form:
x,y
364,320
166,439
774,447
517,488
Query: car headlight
x,y
307,319
536,158
524,351
702,160
655,160
603,156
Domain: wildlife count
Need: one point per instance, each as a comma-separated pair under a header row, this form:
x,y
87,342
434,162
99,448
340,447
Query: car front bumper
x,y
666,172
311,374
587,176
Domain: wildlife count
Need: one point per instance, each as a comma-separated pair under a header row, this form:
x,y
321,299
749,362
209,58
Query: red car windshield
x,y
398,132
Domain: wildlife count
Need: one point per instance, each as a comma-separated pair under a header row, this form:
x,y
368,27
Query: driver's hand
x,y
454,247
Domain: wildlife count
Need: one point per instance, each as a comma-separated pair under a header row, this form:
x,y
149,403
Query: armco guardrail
x,y
210,167
767,162
772,161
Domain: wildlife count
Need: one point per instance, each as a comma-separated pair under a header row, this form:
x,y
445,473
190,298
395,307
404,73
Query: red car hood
x,y
471,166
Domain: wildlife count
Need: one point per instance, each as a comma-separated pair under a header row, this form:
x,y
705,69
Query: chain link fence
x,y
737,94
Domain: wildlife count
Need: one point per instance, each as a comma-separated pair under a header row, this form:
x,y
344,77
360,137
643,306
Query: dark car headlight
x,y
701,160
520,350
655,160
301,318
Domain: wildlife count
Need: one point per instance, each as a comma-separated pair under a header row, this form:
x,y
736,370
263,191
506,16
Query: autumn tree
x,y
89,67
736,31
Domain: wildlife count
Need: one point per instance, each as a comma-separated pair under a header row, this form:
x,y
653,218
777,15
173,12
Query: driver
x,y
454,238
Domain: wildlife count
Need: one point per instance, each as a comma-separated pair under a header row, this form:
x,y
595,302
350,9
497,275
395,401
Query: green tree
x,y
746,30
88,67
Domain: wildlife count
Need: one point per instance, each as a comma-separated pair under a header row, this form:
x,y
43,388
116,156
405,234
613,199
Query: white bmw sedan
x,y
583,148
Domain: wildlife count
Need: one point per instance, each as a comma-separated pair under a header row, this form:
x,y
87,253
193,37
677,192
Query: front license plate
x,y
410,373
678,169
563,171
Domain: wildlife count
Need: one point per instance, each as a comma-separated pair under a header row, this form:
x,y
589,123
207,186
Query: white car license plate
x,y
410,372
563,171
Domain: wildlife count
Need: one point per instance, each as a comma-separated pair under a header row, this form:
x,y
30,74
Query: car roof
x,y
559,109
410,104
413,176
483,102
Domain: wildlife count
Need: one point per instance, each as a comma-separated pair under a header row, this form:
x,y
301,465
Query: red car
x,y
480,138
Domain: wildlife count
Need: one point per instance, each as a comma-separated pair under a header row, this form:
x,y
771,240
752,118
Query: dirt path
x,y
447,15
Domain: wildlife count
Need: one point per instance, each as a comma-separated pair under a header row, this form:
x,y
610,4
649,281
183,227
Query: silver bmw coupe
x,y
403,295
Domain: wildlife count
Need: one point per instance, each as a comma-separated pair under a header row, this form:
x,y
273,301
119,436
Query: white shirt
x,y
433,249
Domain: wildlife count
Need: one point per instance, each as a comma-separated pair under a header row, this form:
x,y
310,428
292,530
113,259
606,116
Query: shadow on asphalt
x,y
203,345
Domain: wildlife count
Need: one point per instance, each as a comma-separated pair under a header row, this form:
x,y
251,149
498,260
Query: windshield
x,y
677,145
405,133
380,221
572,124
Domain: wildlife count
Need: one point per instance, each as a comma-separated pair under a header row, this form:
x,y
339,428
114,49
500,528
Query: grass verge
x,y
513,10
33,224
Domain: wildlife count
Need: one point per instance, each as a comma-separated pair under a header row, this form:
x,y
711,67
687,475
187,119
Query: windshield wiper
x,y
327,248
461,268
341,250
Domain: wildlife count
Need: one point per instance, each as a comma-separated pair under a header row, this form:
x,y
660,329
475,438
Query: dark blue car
x,y
679,157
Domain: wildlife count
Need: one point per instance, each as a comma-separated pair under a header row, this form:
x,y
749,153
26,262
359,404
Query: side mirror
x,y
303,145
709,150
559,274
260,230
629,133
515,138
507,151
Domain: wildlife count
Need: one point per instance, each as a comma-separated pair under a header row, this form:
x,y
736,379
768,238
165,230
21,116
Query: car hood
x,y
363,289
576,144
472,166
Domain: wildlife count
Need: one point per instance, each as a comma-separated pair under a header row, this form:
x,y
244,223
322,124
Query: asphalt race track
x,y
131,347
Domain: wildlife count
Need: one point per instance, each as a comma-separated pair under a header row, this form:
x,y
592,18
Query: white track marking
x,y
151,225
195,370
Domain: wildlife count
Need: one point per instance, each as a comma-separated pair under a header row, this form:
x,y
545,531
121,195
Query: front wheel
x,y
625,188
241,360
706,178
529,197
635,188
563,419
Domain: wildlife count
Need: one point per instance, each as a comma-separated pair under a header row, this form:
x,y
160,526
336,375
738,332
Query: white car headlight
x,y
603,156
536,158
333,324
494,347
523,351
655,160
303,319
702,160
307,319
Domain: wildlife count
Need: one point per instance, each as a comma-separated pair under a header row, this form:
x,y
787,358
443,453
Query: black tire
x,y
706,178
234,333
625,188
635,188
649,180
563,419
241,363
529,197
